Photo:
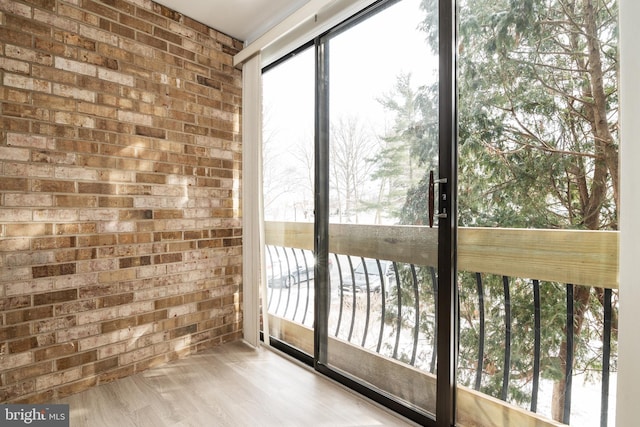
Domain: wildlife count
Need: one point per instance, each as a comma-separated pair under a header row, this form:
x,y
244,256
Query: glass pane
x,y
538,208
288,177
383,145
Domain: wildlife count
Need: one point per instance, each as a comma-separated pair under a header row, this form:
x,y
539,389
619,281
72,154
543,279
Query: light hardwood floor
x,y
230,385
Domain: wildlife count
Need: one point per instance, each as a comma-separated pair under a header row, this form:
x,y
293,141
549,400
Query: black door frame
x,y
447,306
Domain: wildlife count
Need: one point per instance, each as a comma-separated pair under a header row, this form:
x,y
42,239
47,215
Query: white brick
x,y
27,83
18,154
30,140
132,117
117,227
19,52
29,287
99,215
98,35
38,200
14,66
31,170
56,21
15,360
55,215
76,67
16,8
74,92
116,77
76,173
15,215
77,120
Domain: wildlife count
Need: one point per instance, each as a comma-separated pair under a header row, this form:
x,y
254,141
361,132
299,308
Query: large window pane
x,y
288,176
383,145
538,165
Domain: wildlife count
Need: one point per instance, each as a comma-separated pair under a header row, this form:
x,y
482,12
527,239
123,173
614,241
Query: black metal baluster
x,y
353,298
416,326
341,292
295,260
306,305
481,332
606,358
274,282
399,319
507,339
383,290
566,416
536,346
366,322
289,276
270,297
434,284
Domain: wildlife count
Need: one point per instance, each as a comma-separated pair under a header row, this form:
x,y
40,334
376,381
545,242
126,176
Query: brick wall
x,y
120,159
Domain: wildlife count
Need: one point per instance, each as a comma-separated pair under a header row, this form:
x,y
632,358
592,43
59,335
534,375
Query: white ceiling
x,y
246,20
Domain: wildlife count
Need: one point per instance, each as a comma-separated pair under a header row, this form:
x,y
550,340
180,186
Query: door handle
x,y
431,198
432,183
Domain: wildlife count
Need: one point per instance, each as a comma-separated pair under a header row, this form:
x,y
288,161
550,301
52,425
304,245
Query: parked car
x,y
373,273
286,269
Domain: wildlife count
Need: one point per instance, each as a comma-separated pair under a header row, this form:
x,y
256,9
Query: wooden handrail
x,y
567,256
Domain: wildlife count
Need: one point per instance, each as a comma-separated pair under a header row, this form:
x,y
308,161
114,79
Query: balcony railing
x,y
382,312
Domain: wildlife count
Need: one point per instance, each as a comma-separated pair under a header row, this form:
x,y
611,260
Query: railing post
x,y
434,284
399,319
353,298
606,357
341,293
507,339
481,332
536,346
566,417
416,326
383,292
367,316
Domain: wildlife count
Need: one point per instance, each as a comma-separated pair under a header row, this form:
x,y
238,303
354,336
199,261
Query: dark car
x,y
372,272
287,268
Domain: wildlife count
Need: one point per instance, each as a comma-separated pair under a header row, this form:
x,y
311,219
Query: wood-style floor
x,y
230,385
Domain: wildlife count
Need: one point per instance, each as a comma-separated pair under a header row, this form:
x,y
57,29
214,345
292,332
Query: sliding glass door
x,y
379,307
381,202
288,189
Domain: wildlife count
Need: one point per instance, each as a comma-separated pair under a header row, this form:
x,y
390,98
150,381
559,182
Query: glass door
x,y
383,208
288,189
366,195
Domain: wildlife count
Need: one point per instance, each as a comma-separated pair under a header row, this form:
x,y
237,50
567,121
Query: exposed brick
x,y
167,35
118,119
152,41
21,316
185,330
100,366
30,371
55,297
55,352
13,332
22,345
151,132
114,325
114,300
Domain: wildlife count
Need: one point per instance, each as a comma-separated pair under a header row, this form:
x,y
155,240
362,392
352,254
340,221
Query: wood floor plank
x,y
231,385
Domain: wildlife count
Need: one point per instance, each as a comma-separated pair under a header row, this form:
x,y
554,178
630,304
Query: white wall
x,y
628,409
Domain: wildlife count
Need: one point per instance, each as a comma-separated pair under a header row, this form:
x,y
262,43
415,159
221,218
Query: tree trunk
x,y
606,164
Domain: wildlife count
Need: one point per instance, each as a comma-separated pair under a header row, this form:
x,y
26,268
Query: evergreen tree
x,y
538,148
